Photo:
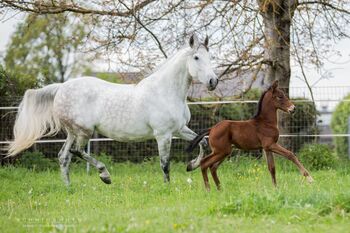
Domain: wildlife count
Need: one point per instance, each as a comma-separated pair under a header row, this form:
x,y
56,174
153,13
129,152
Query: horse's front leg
x,y
164,145
64,158
188,135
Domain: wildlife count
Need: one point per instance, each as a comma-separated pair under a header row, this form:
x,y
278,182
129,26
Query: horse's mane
x,y
260,104
183,50
169,59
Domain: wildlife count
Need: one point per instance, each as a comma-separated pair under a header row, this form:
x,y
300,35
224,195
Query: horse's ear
x,y
206,42
193,41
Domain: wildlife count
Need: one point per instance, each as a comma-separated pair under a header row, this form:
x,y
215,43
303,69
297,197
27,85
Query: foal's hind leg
x,y
213,169
79,151
64,158
208,162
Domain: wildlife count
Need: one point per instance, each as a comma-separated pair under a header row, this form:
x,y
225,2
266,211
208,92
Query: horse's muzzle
x,y
213,82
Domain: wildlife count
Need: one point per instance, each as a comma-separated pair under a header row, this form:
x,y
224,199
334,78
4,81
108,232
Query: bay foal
x,y
260,132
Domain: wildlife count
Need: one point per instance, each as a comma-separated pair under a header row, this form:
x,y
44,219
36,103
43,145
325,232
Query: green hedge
x,y
317,156
339,125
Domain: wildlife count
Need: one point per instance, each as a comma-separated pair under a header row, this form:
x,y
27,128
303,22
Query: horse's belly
x,y
127,131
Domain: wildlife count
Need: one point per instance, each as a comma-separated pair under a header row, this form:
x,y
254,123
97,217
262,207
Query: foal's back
x,y
242,134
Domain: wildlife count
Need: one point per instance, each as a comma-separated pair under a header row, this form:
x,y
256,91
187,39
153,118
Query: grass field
x,y
139,201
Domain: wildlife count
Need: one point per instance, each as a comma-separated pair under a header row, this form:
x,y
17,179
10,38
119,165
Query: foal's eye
x,y
196,58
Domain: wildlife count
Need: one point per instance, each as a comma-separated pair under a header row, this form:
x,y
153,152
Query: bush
x,y
339,125
36,161
317,156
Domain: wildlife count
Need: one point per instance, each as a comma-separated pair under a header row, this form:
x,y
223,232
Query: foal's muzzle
x,y
291,109
213,82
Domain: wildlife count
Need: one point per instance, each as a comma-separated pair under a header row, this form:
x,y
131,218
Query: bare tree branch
x,y
326,4
53,7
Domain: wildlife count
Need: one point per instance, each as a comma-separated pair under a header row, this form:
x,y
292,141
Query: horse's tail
x,y
35,118
193,164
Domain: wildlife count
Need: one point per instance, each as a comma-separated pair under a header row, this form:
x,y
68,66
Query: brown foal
x,y
260,132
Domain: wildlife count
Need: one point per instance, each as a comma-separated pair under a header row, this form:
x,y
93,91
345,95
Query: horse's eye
x,y
196,58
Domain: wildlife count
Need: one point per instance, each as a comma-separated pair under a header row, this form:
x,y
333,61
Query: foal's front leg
x,y
291,156
271,166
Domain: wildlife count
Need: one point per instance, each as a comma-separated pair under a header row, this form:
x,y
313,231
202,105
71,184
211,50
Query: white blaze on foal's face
x,y
199,65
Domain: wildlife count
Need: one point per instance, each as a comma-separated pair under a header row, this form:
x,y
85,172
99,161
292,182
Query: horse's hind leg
x,y
187,134
79,151
64,158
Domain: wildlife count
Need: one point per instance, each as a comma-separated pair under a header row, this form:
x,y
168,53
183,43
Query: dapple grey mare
x,y
154,108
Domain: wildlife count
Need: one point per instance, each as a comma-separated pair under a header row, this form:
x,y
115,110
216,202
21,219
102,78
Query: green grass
x,y
139,201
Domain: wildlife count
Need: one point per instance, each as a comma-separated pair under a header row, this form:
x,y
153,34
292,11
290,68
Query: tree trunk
x,y
277,16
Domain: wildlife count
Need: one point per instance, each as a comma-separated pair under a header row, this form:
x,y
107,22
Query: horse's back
x,y
83,101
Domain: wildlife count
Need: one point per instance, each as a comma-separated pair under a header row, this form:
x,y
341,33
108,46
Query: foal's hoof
x,y
106,179
309,179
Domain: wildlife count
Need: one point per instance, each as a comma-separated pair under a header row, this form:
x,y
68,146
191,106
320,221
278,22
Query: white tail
x,y
35,118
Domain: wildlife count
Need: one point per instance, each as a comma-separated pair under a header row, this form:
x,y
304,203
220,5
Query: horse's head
x,y
280,100
198,63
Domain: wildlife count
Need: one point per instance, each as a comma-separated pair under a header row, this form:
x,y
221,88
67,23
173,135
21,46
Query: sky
x,y
339,67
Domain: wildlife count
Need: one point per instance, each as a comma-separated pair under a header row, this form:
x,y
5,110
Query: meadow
x,y
139,201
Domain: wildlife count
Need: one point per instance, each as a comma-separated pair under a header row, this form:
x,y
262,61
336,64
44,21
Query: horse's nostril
x,y
211,82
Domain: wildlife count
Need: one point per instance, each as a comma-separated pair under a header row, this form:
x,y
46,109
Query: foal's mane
x,y
260,103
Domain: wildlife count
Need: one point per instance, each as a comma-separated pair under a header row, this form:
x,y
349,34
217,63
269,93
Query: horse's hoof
x,y
189,167
106,179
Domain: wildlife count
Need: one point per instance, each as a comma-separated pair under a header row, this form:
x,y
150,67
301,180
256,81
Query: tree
x,y
13,85
261,35
46,47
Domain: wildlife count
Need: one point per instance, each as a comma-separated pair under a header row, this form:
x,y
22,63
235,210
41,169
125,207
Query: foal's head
x,y
280,100
199,65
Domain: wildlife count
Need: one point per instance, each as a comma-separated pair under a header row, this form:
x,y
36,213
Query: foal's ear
x,y
194,41
274,85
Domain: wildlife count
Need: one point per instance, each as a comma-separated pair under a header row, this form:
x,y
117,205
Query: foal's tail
x,y
196,140
193,164
35,118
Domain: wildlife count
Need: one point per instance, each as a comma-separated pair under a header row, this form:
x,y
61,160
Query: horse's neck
x,y
268,111
173,79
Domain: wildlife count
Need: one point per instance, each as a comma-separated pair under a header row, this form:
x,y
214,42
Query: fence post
x,y
88,151
349,137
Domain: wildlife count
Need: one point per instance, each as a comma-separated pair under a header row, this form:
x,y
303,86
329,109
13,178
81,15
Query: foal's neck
x,y
268,112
